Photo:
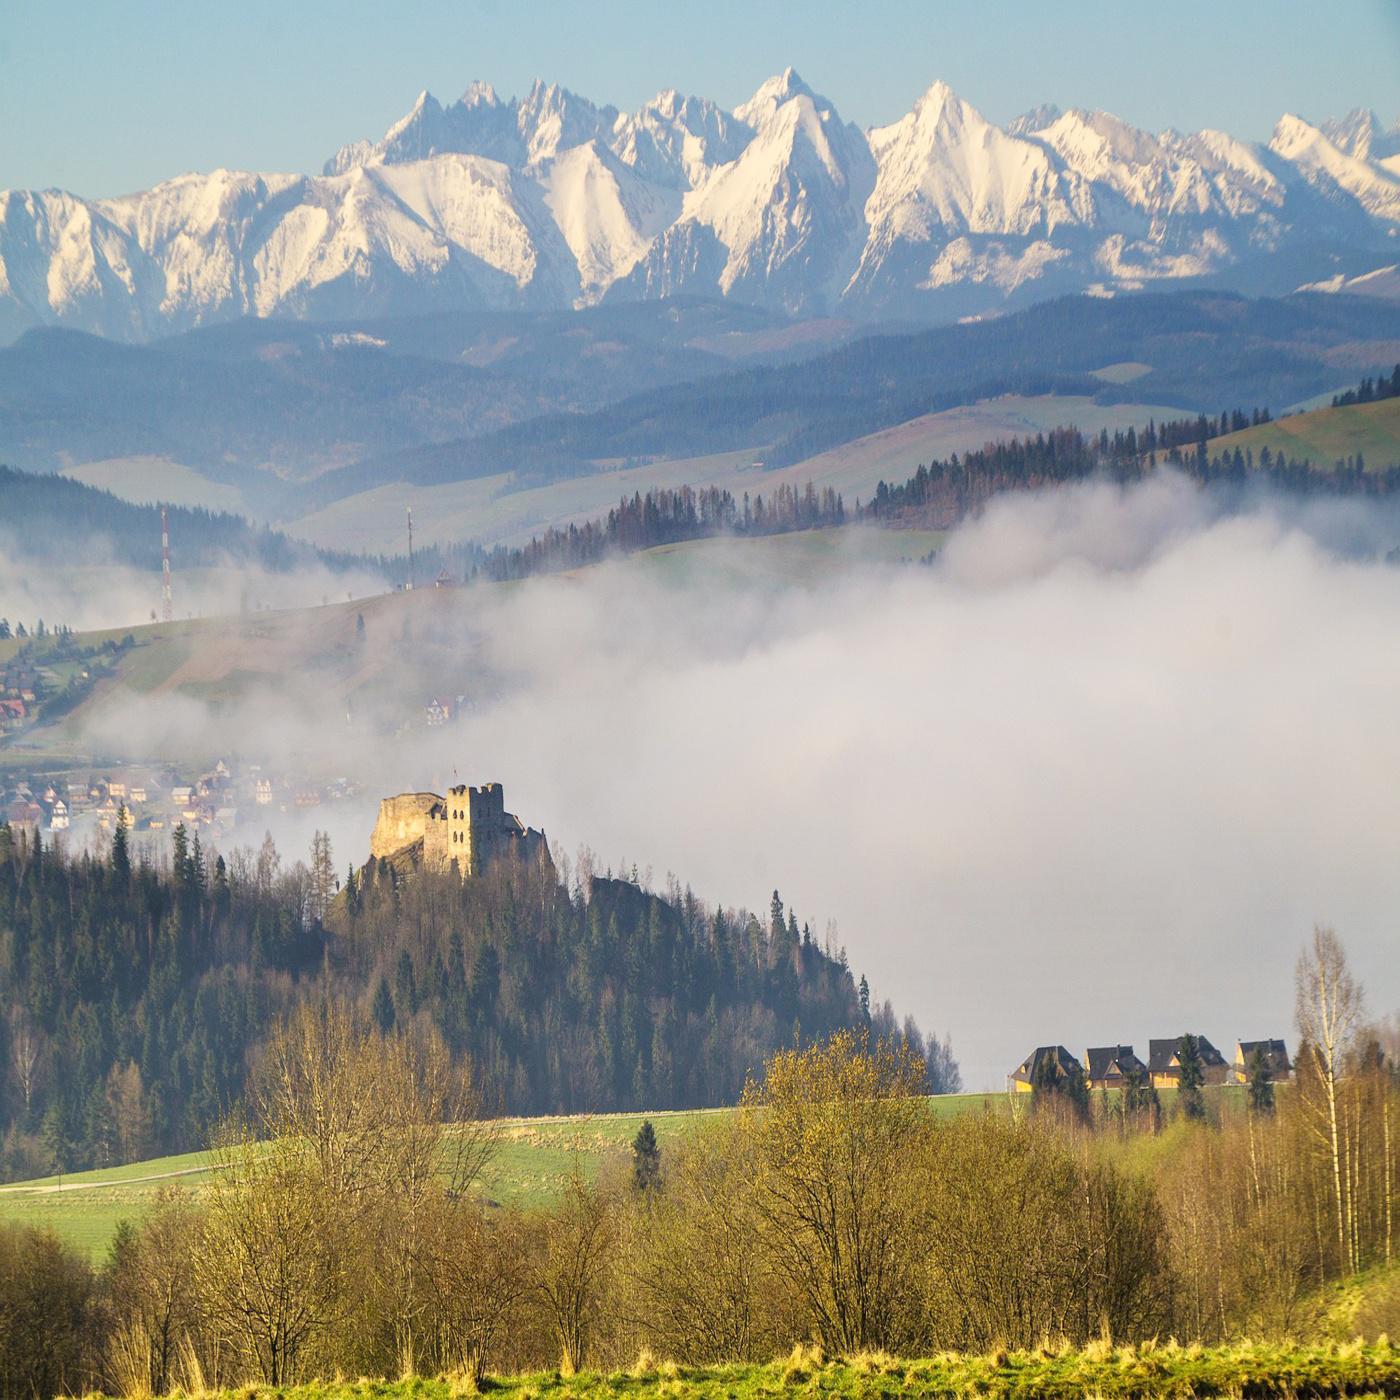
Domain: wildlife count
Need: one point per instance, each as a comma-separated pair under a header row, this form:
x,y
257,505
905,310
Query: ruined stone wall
x,y
469,826
402,820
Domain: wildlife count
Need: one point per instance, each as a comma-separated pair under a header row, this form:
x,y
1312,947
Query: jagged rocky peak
x,y
549,199
1034,119
775,93
1360,134
479,94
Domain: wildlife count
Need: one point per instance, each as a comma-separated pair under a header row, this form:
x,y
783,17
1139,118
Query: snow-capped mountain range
x,y
549,201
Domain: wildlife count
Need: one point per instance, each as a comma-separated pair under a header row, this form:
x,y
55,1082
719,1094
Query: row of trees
x,y
1370,390
137,993
944,492
661,516
344,1230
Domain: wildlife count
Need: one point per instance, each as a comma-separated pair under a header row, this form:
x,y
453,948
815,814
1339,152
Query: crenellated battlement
x,y
466,828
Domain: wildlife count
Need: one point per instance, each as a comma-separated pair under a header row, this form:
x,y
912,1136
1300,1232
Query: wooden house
x,y
1274,1053
1110,1066
1165,1068
1062,1065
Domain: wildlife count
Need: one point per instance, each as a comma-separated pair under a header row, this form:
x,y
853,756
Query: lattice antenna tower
x,y
167,602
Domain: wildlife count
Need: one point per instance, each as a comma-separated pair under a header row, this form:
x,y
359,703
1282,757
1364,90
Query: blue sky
x,y
102,98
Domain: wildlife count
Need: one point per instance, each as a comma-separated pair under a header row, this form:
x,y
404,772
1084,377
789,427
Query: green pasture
x,y
534,1158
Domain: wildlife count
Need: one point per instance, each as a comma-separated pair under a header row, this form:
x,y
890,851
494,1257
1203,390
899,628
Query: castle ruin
x,y
468,829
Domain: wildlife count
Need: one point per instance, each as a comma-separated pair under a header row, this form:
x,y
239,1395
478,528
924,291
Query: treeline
x,y
659,517
668,516
1370,390
939,495
344,1231
136,996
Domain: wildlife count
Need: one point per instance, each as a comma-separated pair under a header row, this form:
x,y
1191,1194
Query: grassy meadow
x,y
1327,435
533,1160
1255,1370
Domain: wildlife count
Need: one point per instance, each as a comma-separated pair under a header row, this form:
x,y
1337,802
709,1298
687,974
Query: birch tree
x,y
1328,1012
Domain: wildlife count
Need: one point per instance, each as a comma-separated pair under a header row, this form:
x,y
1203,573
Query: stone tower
x,y
467,829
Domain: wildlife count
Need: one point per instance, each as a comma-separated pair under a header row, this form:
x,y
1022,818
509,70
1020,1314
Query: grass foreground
x,y
1243,1371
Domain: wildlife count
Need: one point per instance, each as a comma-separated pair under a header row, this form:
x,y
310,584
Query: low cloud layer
x,y
1091,778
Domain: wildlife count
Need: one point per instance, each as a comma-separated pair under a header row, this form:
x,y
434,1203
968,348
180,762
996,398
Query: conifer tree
x,y
1261,1084
121,854
1188,1055
383,1009
646,1159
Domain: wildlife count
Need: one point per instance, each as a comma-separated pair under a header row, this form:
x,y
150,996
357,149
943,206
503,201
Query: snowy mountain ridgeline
x,y
550,201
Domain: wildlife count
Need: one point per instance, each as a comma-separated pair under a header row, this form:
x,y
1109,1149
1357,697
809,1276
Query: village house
x,y
262,792
1274,1054
1052,1060
1164,1066
23,815
1112,1066
58,815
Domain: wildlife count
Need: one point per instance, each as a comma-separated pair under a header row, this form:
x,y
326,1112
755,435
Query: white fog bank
x,y
1091,778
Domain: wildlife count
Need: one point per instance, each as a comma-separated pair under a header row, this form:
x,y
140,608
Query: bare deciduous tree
x,y
1328,1011
571,1261
831,1131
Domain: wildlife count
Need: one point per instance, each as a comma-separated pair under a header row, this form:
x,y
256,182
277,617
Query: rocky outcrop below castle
x,y
465,829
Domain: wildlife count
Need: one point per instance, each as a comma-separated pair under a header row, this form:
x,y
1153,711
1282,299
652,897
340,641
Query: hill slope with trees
x,y
139,997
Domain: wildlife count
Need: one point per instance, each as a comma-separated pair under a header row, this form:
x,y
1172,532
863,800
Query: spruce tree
x,y
1188,1057
646,1159
1261,1084
121,853
383,1010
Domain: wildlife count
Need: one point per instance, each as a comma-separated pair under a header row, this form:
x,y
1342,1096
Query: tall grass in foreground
x,y
1244,1371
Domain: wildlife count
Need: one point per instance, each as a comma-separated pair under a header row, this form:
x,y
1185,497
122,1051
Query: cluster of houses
x,y
159,799
1116,1066
21,687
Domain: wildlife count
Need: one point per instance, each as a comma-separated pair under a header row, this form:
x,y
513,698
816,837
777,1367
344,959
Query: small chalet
x,y
26,815
1111,1066
1274,1054
1165,1068
1062,1065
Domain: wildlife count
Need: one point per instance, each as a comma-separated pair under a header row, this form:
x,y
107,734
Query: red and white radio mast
x,y
167,607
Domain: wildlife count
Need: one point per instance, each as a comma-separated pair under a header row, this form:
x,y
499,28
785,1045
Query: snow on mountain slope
x,y
676,141
1371,186
550,200
607,214
945,167
780,224
1360,134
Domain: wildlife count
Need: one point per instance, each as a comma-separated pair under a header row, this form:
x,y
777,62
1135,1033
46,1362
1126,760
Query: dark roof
x,y
1161,1053
1065,1063
1107,1060
1275,1054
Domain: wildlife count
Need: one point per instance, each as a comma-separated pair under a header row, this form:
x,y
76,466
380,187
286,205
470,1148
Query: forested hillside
x,y
1192,349
137,997
51,518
